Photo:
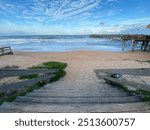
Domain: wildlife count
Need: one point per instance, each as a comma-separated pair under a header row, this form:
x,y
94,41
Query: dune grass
x,y
146,61
12,95
48,65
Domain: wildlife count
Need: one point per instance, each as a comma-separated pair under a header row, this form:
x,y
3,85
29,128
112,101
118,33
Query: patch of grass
x,y
29,76
147,61
1,95
7,99
58,76
48,65
11,96
116,83
51,65
146,94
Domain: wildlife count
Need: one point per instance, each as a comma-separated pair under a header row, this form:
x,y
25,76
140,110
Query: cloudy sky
x,y
74,16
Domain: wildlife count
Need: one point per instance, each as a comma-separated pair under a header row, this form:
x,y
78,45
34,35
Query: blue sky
x,y
74,16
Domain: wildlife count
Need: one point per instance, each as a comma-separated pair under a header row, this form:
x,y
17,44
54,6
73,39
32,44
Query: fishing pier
x,y
143,40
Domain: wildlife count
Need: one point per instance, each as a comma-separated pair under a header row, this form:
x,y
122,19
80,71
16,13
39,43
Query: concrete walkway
x,y
77,96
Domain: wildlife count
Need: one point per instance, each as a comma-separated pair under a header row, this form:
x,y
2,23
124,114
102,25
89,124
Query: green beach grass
x,y
48,65
146,61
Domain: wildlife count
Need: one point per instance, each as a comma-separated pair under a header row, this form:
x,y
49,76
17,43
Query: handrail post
x,y
133,45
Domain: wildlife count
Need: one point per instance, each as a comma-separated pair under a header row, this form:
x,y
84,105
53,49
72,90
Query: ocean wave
x,y
59,43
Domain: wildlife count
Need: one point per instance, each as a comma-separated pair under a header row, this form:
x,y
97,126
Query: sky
x,y
74,17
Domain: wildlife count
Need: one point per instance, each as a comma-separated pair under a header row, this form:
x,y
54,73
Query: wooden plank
x,y
133,45
23,72
136,72
5,50
123,45
7,88
146,46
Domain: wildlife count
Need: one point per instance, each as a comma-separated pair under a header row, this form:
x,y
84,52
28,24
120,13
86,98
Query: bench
x,y
5,51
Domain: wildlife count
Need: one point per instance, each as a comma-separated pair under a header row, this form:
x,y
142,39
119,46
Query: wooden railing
x,y
136,37
5,50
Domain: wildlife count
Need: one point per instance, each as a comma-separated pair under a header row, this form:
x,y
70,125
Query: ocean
x,y
61,43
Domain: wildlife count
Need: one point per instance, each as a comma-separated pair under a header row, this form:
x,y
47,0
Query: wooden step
x,y
107,108
77,100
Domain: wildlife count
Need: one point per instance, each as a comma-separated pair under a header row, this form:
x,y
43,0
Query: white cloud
x,y
65,9
131,25
50,9
54,10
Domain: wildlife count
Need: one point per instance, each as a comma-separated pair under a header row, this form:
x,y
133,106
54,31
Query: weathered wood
x,y
23,72
136,72
129,84
145,46
5,50
123,46
106,74
7,88
133,45
143,43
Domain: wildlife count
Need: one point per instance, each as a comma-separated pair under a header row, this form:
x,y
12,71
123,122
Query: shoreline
x,y
86,51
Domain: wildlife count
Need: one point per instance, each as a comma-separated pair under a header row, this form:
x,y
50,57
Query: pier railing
x,y
136,37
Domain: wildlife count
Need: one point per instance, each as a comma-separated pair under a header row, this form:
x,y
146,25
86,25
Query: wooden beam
x,y
123,45
146,46
133,44
142,45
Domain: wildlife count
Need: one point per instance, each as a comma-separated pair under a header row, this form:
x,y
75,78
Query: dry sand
x,y
81,64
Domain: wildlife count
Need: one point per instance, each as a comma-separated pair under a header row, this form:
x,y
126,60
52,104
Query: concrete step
x,y
77,100
117,107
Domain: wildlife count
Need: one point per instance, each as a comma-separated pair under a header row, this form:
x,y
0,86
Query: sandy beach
x,y
81,64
